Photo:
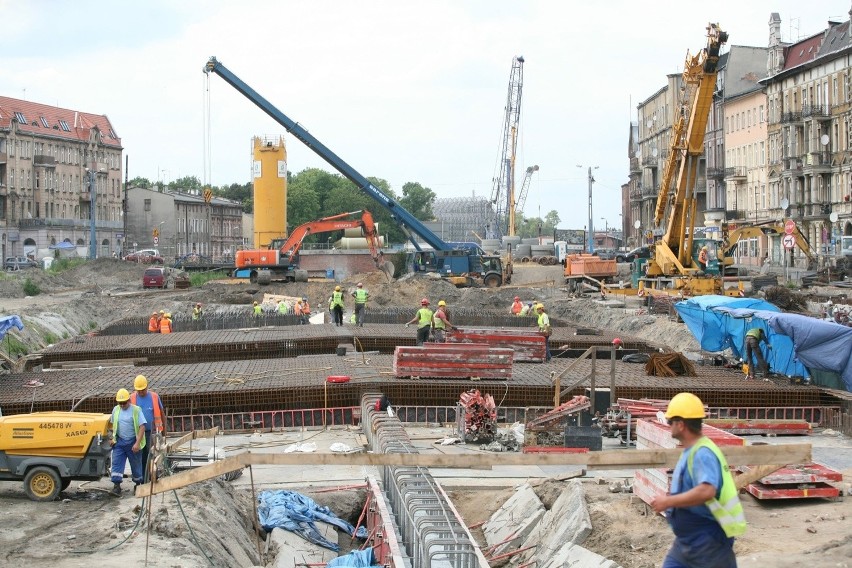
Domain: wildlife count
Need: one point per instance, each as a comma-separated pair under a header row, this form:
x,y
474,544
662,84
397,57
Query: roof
x,y
802,52
836,38
826,45
190,198
47,120
745,66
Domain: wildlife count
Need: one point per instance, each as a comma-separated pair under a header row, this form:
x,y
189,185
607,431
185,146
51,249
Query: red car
x,y
146,256
155,278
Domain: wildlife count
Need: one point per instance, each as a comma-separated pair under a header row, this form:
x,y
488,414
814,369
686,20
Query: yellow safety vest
x,y
439,323
337,299
136,412
360,296
543,321
425,315
727,509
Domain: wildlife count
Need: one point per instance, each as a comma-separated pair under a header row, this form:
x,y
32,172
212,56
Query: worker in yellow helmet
x,y
543,322
440,322
128,439
337,305
155,415
257,310
702,507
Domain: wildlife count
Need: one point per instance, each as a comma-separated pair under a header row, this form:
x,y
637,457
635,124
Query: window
x,y
44,122
761,114
19,116
147,205
64,126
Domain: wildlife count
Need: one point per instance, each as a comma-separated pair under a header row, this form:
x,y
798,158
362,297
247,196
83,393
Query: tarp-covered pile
x,y
8,322
296,513
799,343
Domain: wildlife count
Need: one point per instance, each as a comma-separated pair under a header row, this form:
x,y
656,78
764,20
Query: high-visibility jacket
x,y
360,296
543,321
136,413
439,320
755,332
154,324
196,313
337,299
297,309
727,509
258,310
165,325
283,308
159,424
517,307
424,317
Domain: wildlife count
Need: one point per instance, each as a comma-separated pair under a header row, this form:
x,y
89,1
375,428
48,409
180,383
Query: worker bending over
x,y
128,439
703,508
753,337
441,322
423,319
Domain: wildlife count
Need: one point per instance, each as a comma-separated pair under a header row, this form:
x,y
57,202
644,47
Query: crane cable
x,y
206,142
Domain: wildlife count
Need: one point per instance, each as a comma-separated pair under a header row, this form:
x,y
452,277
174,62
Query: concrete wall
x,y
345,263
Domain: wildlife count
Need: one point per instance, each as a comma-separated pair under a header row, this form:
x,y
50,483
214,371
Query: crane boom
x,y
525,188
503,194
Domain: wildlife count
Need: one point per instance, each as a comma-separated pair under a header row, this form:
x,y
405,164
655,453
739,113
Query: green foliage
x,y
63,264
528,227
65,335
142,182
14,346
418,200
93,325
184,183
31,288
241,193
197,279
49,338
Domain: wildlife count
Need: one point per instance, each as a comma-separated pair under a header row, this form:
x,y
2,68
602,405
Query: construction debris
x,y
669,365
477,417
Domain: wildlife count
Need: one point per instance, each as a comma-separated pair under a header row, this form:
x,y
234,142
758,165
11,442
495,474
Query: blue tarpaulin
x,y
355,559
64,245
8,322
798,342
296,513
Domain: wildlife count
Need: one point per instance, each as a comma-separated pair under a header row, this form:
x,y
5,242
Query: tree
x,y
418,200
241,193
185,183
303,205
142,182
551,220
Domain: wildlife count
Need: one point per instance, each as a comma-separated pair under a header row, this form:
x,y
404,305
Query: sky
x,y
401,90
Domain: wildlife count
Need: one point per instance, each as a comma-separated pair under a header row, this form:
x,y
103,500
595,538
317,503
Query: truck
x,y
280,260
461,266
588,268
47,450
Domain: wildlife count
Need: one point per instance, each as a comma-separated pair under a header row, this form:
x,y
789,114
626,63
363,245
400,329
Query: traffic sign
x,y
156,240
789,227
789,241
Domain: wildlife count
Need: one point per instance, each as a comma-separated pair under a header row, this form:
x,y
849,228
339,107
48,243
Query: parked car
x,y
639,252
145,256
19,263
155,278
193,259
608,254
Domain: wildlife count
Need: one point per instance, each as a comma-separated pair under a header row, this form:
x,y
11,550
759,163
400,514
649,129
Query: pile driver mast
x,y
503,193
525,188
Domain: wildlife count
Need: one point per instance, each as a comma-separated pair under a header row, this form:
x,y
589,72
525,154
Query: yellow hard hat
x,y
162,311
539,306
140,382
704,247
122,395
168,315
337,288
442,303
685,405
255,303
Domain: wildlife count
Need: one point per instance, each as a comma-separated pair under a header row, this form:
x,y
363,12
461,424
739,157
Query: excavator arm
x,y
763,229
291,246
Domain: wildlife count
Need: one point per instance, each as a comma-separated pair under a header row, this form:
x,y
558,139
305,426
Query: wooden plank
x,y
611,459
754,474
194,435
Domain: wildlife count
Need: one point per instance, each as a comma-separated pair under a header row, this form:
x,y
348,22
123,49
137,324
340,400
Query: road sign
x,y
789,241
789,227
156,240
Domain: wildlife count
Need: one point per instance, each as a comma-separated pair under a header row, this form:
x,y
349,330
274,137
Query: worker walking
x,y
361,296
517,306
753,337
441,322
543,323
128,439
197,312
337,305
423,319
525,310
154,323
257,310
702,508
155,416
703,258
166,323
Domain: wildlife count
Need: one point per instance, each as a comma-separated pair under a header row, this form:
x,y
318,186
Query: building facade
x,y
48,156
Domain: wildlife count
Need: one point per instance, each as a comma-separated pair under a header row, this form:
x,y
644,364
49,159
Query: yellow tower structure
x,y
270,190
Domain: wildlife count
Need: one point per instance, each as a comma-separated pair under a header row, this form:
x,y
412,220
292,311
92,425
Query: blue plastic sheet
x,y
355,559
8,322
295,512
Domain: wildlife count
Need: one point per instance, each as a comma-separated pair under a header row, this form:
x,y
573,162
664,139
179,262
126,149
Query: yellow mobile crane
x,y
673,267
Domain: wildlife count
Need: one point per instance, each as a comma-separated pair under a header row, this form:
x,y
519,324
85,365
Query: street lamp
x,y
606,231
591,224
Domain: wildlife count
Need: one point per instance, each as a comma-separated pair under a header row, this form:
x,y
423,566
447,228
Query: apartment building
x,y
48,155
809,92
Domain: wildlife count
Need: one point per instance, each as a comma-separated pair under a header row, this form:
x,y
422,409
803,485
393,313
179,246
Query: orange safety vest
x,y
154,324
516,308
306,308
297,309
165,325
158,413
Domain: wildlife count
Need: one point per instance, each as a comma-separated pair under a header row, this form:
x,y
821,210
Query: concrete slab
x,y
291,550
610,303
514,521
574,556
567,521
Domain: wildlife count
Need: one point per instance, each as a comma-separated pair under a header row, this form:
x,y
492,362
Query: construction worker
x,y
703,258
525,310
155,416
361,296
440,322
197,312
423,319
284,307
753,337
306,310
517,306
128,440
543,323
703,508
617,343
337,305
154,323
166,323
257,311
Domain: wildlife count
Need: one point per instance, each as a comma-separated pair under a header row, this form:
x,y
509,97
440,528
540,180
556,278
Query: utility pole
x,y
93,178
125,207
591,224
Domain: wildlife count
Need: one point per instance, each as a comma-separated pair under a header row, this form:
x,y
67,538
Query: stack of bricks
x,y
651,435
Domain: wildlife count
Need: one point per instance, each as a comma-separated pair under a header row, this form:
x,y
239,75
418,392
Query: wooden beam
x,y
755,474
194,435
610,459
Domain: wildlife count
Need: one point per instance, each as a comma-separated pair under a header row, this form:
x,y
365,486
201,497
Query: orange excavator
x,y
279,261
